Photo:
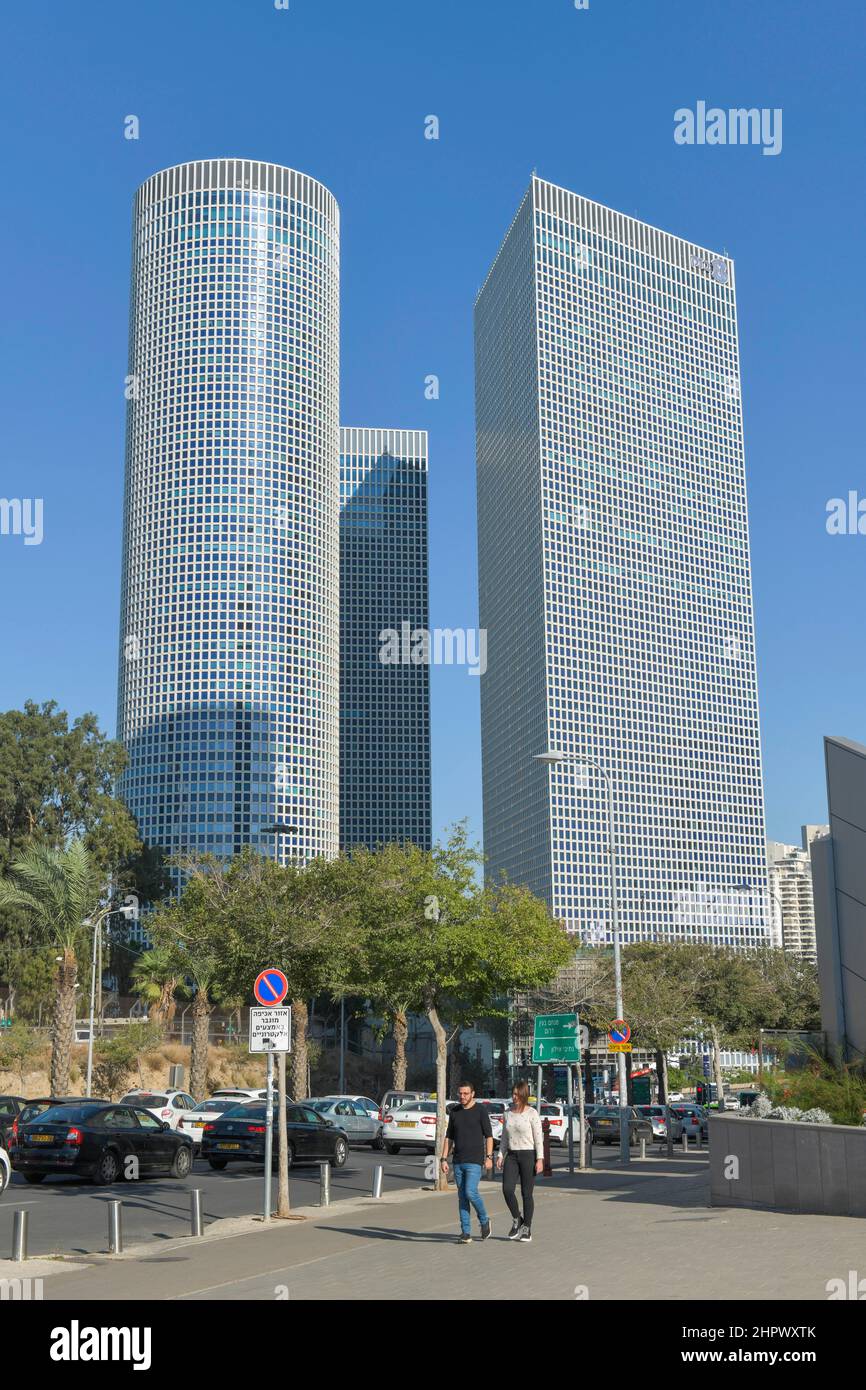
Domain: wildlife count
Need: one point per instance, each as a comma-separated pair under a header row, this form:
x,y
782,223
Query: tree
x,y
57,890
731,998
437,942
18,1045
233,920
659,997
56,783
155,978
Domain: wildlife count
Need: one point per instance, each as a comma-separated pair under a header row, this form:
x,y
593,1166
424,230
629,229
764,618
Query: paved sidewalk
x,y
647,1233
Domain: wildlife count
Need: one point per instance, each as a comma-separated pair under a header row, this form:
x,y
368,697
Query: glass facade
x,y
229,650
384,707
614,576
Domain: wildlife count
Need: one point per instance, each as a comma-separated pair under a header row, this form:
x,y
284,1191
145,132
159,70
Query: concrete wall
x,y
839,886
819,1169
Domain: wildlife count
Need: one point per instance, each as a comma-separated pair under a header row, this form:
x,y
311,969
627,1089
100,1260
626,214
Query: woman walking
x,y
521,1155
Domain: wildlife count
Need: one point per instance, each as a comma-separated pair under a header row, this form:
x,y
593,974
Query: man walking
x,y
470,1137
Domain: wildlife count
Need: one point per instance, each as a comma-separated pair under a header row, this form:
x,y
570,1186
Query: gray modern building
x,y
614,576
384,695
839,886
229,650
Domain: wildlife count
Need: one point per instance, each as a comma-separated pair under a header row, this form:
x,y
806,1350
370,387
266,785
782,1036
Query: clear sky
x,y
341,90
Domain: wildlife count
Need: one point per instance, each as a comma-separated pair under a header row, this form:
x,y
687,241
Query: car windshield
x,y
146,1098
218,1106
321,1105
249,1111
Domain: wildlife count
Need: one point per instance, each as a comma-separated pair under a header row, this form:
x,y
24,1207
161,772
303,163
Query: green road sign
x,y
556,1038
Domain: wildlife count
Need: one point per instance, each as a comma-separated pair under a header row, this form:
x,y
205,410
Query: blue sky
x,y
341,90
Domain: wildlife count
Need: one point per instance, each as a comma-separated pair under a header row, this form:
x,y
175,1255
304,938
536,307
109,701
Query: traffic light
x,y
702,1093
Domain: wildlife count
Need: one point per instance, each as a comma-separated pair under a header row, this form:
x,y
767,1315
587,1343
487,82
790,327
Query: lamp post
x,y
552,758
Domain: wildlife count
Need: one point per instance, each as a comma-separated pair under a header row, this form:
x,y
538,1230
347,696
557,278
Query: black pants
x,y
519,1162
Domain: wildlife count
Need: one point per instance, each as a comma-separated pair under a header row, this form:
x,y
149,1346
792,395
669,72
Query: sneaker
x,y
525,1235
464,1240
487,1230
516,1228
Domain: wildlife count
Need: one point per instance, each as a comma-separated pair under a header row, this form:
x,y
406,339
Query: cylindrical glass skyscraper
x,y
229,660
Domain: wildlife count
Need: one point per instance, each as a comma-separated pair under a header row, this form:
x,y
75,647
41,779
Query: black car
x,y
239,1134
31,1109
10,1107
604,1123
97,1141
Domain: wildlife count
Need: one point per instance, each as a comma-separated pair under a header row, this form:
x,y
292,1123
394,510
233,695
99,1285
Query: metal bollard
x,y
685,1142
19,1236
376,1190
196,1228
324,1184
115,1228
643,1148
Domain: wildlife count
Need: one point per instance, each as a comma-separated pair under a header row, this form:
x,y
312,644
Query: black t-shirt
x,y
467,1130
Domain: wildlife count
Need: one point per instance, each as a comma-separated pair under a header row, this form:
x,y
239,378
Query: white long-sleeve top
x,y
521,1129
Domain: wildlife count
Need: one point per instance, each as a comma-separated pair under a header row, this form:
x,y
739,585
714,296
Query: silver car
x,y
349,1115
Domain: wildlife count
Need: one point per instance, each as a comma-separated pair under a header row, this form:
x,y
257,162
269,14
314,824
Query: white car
x,y
239,1093
5,1170
411,1126
496,1110
167,1106
557,1114
192,1122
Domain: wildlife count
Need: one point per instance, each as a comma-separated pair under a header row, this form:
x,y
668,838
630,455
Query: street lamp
x,y
552,758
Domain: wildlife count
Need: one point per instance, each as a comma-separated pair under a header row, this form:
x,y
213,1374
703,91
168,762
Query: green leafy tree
x,y
435,941
659,990
56,783
19,1044
57,890
155,978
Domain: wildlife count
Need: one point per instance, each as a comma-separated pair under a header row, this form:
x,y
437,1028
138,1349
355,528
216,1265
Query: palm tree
x,y
156,977
58,890
203,985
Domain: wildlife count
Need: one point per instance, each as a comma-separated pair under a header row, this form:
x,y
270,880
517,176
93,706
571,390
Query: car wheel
x,y
5,1177
182,1162
35,1177
378,1143
340,1154
107,1170
392,1149
218,1164
290,1155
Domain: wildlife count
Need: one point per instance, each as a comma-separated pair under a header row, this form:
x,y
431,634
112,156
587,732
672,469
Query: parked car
x,y
163,1105
31,1109
192,1122
238,1135
496,1110
10,1108
557,1114
239,1093
350,1115
658,1118
691,1120
392,1100
604,1123
96,1141
411,1126
5,1171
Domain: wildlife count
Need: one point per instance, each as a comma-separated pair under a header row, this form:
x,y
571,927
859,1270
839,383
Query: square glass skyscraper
x,y
614,577
384,703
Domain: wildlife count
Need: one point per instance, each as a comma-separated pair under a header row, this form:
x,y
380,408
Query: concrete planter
x,y
784,1166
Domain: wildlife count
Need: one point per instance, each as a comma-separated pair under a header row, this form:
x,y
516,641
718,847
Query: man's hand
x,y
488,1162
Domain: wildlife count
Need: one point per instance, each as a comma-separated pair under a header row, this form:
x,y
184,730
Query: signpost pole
x,y
570,1113
538,1090
269,1137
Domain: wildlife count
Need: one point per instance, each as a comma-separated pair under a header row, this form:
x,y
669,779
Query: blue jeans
x,y
467,1177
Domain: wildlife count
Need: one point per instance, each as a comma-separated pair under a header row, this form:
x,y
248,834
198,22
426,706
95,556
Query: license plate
x,y
603,1122
228,1146
42,1139
196,1124
405,1124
